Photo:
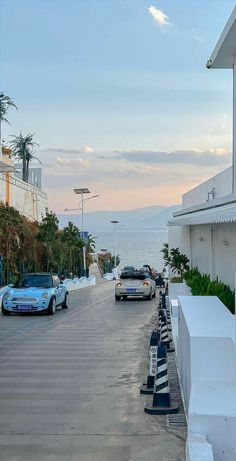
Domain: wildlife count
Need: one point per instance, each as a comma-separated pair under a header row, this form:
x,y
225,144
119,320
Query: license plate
x,y
24,307
131,290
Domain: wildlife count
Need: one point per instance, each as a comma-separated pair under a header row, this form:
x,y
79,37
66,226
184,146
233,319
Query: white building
x,y
205,228
28,199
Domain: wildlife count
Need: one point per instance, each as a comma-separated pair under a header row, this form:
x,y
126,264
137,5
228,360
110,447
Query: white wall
x,y
201,250
28,199
222,184
210,247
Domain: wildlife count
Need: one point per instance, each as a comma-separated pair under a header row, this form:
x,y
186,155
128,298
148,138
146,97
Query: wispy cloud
x,y
199,39
62,150
194,157
87,150
158,16
66,162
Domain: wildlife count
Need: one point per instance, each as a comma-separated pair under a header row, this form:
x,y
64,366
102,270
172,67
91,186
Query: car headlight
x,y
7,295
44,295
145,284
119,284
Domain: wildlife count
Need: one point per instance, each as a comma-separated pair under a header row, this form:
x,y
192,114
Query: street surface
x,y
69,384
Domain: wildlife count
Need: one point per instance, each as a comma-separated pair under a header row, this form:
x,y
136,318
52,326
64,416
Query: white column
x,y
82,225
115,244
234,129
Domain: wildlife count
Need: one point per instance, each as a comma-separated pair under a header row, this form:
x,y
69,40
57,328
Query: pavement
x,y
94,270
69,384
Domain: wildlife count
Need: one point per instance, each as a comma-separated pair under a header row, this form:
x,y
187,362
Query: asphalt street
x,y
69,384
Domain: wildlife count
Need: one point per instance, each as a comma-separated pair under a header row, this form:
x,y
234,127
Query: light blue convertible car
x,y
35,292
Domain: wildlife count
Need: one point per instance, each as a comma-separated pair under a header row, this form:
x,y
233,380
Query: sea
x,y
134,247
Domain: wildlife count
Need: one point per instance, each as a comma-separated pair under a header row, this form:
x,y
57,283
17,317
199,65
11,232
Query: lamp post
x,y
81,192
114,222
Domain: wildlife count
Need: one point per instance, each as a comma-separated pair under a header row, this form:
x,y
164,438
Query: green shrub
x,y
202,285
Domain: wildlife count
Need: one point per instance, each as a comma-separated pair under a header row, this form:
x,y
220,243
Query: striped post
x,y
147,388
161,403
165,339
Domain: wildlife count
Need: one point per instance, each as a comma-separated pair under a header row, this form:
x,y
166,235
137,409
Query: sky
x,y
118,96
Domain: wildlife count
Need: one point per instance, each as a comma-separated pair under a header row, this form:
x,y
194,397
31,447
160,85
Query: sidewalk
x,y
94,270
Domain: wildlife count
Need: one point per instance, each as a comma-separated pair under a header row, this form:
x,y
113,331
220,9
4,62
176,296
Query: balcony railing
x,y
24,185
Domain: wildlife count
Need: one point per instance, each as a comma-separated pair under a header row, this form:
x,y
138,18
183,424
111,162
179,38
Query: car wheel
x,y
52,307
5,311
65,302
149,297
154,293
125,298
117,297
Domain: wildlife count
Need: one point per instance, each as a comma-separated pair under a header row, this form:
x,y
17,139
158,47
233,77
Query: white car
x,y
136,283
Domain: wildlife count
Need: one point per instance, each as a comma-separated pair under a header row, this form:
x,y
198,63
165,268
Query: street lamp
x,y
81,192
114,222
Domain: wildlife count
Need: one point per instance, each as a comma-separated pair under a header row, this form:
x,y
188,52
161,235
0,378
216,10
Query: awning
x,y
221,214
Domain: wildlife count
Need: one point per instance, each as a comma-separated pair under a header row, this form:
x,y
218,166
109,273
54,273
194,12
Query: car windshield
x,y
34,280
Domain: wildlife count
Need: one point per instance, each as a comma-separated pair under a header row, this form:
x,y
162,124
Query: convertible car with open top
x,y
138,283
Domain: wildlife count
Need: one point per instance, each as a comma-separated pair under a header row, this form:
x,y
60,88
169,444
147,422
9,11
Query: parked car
x,y
35,292
138,283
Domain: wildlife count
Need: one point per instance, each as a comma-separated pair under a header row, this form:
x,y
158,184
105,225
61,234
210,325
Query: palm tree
x,y
23,148
5,103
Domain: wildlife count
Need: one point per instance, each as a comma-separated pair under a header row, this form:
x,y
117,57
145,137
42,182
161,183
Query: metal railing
x,y
24,185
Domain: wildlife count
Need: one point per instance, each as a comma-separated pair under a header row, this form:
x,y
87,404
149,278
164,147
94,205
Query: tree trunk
x,y
24,176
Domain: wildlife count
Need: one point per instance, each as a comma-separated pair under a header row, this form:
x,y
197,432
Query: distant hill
x,y
151,217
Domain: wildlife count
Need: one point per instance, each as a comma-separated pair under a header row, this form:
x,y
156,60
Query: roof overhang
x,y
221,214
224,52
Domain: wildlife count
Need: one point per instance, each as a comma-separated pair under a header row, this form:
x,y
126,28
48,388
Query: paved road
x,y
69,384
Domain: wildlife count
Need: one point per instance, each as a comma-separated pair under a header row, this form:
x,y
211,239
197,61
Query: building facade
x,y
205,228
28,199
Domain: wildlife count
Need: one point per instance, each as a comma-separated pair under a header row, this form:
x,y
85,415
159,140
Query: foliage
x,y
176,280
179,263
23,149
165,251
202,285
5,103
10,225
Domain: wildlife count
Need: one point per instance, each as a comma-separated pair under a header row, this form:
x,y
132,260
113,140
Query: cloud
x,y
62,150
67,162
194,157
159,16
87,150
199,39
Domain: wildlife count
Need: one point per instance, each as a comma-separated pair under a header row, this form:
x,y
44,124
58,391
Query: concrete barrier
x,y
108,276
77,283
206,355
198,449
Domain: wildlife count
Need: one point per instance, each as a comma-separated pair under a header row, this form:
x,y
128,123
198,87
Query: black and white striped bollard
x,y
154,341
165,339
161,403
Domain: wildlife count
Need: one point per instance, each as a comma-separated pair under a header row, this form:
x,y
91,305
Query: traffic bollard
x,y
161,403
147,388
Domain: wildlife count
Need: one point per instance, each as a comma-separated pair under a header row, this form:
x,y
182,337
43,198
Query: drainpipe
x,y
234,129
213,252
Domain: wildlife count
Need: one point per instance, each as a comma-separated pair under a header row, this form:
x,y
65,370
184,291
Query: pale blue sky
x,y
106,74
